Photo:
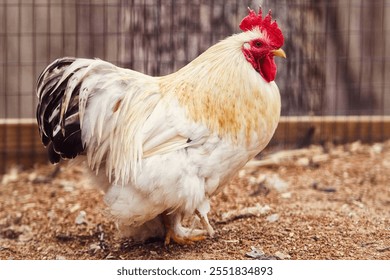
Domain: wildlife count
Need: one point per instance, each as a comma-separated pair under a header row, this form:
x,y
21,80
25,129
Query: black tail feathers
x,y
60,133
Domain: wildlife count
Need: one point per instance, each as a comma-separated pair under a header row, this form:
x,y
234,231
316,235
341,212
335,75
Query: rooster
x,y
162,146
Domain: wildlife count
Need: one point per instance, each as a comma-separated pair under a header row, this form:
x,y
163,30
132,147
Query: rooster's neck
x,y
222,90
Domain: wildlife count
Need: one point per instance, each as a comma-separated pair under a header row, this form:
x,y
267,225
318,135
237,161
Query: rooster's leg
x,y
172,227
205,223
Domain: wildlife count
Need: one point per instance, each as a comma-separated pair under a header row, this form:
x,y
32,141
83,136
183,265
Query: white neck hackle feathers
x,y
222,90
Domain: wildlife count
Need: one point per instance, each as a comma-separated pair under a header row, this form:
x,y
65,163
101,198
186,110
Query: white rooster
x,y
161,146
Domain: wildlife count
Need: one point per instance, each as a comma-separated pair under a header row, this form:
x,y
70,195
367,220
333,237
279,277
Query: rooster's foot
x,y
179,234
181,240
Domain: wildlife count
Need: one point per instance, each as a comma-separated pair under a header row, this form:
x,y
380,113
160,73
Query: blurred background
x,y
334,84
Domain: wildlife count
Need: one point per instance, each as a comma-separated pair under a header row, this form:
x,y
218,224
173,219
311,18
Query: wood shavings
x,y
284,157
274,181
259,254
256,210
349,223
81,218
272,218
381,250
11,176
282,256
255,253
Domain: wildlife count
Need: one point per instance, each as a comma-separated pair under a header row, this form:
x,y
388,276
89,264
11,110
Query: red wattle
x,y
267,68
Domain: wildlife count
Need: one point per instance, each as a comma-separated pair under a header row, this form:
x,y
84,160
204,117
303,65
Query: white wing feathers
x,y
169,129
116,116
144,124
113,121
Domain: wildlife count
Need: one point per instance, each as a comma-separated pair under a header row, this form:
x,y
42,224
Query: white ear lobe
x,y
246,46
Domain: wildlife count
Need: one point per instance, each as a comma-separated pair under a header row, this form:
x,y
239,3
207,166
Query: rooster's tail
x,y
58,90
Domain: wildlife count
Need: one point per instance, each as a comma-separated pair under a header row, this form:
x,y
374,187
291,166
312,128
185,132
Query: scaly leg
x,y
205,223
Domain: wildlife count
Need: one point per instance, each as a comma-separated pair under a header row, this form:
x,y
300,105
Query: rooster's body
x,y
161,146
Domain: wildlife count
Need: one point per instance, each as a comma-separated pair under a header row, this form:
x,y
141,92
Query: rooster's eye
x,y
258,44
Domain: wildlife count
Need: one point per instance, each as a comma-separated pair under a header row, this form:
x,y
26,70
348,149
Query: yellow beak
x,y
279,52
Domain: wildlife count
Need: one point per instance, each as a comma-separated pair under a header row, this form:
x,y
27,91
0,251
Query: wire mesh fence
x,y
337,54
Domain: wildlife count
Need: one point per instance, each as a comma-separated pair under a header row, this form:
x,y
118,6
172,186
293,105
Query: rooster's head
x,y
266,44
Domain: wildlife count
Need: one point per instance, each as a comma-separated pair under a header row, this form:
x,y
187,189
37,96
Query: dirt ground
x,y
323,202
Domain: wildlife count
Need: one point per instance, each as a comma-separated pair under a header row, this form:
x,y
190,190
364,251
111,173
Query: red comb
x,y
253,20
